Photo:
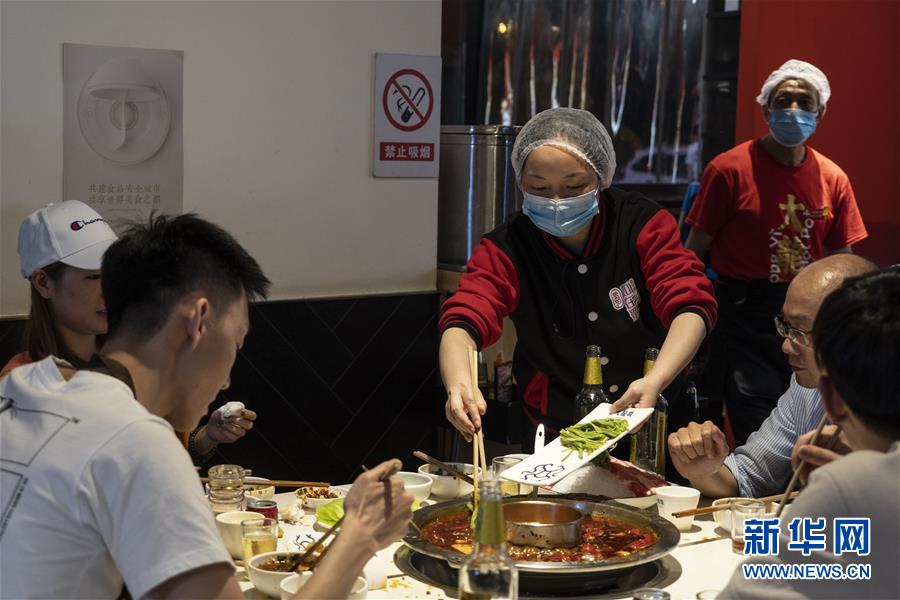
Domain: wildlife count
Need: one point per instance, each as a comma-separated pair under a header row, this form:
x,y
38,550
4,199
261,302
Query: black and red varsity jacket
x,y
631,280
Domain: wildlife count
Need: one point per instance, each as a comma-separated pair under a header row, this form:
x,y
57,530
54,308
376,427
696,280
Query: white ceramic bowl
x,y
723,517
268,582
291,585
417,484
313,503
674,498
448,486
229,526
256,487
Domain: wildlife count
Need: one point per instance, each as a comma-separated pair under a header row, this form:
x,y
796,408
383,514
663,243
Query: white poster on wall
x,y
122,130
406,119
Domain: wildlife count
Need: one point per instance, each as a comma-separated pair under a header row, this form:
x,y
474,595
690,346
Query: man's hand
x,y
642,393
816,456
226,431
464,409
698,451
377,511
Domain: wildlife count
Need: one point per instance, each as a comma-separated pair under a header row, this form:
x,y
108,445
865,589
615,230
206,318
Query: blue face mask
x,y
561,218
791,126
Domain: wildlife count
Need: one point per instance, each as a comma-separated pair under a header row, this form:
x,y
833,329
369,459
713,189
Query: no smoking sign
x,y
408,100
405,115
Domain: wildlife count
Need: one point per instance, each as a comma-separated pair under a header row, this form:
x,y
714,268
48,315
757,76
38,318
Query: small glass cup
x,y
741,510
258,536
500,464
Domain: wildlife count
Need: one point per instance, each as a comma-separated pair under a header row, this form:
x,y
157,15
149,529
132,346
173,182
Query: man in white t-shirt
x,y
96,492
854,523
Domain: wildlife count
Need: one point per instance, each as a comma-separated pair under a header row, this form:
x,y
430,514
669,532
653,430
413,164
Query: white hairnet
x,y
577,132
796,69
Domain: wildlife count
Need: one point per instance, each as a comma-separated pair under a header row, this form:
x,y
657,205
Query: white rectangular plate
x,y
547,466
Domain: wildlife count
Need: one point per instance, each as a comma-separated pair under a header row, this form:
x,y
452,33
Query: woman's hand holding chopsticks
x,y
830,446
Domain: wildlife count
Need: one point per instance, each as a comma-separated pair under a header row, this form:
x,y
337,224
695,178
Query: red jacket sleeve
x,y
675,277
714,204
488,291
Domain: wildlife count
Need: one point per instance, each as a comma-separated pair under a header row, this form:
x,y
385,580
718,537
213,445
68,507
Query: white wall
x,y
277,131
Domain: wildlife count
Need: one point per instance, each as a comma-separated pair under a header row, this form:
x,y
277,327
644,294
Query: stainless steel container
x,y
542,524
477,188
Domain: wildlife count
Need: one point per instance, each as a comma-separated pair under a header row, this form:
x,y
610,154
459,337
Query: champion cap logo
x,y
77,225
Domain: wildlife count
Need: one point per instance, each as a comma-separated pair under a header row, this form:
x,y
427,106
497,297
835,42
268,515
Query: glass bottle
x,y
489,573
648,445
592,392
226,488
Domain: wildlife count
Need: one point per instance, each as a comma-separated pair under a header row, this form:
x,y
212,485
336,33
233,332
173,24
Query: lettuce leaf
x,y
331,512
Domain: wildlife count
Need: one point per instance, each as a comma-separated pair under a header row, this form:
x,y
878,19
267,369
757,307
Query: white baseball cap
x,y
70,232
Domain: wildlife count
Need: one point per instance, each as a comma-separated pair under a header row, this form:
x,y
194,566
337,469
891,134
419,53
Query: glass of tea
x,y
741,510
258,536
500,464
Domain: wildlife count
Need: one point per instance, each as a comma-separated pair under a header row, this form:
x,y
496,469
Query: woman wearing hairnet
x,y
582,264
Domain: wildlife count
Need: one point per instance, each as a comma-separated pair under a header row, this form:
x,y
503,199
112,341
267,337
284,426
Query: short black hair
x,y
857,341
153,264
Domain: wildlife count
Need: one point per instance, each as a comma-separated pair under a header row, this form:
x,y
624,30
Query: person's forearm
x,y
720,484
682,342
698,242
202,443
456,344
337,571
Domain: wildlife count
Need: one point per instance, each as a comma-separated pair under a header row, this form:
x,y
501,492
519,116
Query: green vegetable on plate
x,y
587,438
330,513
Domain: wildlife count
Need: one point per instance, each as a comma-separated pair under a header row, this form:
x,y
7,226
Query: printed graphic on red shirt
x,y
789,242
768,220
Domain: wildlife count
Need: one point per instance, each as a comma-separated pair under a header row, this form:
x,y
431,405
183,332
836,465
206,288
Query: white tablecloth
x,y
704,553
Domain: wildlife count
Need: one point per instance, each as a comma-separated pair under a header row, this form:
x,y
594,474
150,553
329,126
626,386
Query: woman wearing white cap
x,y
767,208
582,264
61,250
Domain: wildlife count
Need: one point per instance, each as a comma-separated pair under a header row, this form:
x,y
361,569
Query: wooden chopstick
x,y
312,547
796,476
442,465
473,374
280,483
484,465
726,506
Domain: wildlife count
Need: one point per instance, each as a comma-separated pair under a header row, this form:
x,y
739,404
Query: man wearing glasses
x,y
762,465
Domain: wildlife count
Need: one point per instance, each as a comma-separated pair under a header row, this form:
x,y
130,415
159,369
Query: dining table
x,y
703,561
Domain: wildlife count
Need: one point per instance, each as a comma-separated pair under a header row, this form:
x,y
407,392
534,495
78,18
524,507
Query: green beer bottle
x,y
489,573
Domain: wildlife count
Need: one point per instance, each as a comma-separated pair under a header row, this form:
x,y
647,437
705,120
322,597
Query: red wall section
x,y
857,44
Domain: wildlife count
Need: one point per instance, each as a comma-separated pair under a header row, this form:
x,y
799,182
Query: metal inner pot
x,y
542,524
666,532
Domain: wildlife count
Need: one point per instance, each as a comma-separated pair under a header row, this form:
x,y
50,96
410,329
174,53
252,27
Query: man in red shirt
x,y
766,209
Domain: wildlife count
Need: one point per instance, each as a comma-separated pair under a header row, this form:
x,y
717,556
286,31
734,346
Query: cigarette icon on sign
x,y
404,106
